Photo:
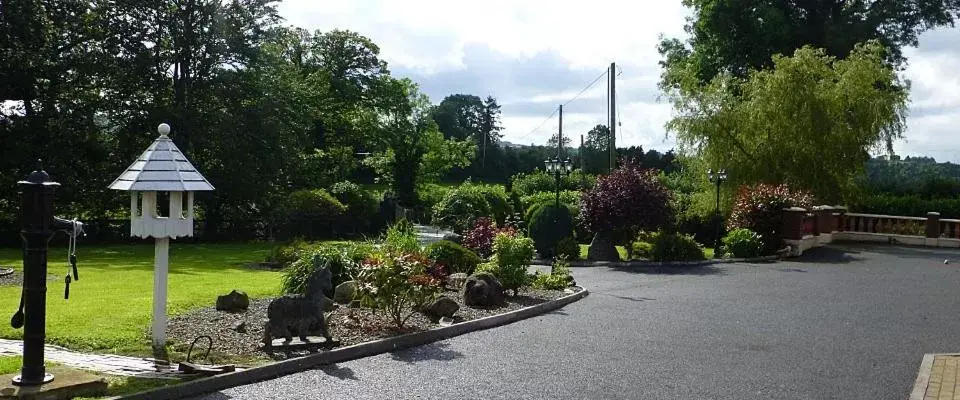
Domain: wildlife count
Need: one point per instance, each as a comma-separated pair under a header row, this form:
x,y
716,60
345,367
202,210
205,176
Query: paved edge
x,y
286,367
923,377
644,264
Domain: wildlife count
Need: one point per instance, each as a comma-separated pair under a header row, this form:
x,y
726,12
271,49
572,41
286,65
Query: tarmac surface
x,y
845,322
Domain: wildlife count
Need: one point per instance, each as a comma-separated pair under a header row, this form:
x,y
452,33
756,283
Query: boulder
x,y
482,290
328,305
233,302
456,281
441,307
345,292
240,326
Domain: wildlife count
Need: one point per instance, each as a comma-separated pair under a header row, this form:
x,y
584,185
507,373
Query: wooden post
x,y
160,257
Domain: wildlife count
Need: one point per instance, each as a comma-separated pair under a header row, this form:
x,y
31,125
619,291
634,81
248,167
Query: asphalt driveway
x,y
838,323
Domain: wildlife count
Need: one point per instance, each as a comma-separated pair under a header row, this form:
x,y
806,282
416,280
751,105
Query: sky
x,y
533,55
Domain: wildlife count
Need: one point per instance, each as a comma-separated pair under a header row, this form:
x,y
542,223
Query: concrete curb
x,y
286,367
647,264
923,377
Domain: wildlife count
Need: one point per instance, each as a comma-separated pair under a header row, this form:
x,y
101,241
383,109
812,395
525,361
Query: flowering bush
x,y
627,200
743,243
398,284
511,257
480,237
760,209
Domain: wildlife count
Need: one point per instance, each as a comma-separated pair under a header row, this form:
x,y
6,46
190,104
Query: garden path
x,y
104,363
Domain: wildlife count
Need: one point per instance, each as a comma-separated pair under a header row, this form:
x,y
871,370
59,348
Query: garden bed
x,y
349,325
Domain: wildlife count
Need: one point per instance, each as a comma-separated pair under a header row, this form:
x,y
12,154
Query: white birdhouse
x,y
162,174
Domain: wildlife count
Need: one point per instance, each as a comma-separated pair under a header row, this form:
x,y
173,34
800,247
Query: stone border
x,y
641,264
294,365
923,377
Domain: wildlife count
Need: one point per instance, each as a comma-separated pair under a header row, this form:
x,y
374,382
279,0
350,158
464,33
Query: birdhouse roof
x,y
162,168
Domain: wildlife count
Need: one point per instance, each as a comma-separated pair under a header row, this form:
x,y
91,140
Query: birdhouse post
x,y
161,175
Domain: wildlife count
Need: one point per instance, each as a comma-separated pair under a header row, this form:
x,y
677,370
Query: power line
x,y
586,88
594,82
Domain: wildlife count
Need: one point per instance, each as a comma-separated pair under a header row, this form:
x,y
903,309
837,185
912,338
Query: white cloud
x,y
534,54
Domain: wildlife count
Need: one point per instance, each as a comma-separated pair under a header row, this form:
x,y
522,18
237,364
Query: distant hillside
x,y
913,175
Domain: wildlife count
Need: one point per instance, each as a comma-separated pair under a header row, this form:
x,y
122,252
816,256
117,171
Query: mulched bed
x,y
239,335
10,277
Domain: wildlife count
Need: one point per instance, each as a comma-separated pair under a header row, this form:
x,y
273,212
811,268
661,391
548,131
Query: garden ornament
x,y
300,314
162,170
38,225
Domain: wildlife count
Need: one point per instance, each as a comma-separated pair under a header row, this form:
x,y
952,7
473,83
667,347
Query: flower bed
x,y
349,325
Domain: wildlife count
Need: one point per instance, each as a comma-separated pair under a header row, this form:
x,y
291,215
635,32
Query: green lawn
x,y
110,306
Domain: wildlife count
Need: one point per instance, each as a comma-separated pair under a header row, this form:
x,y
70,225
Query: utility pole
x,y
560,136
580,152
613,116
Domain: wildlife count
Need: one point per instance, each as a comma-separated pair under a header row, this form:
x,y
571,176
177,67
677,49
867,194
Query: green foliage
x,y
675,247
511,257
559,277
568,248
921,177
341,258
907,206
397,284
311,213
728,35
463,205
743,243
760,209
568,198
431,194
811,121
549,225
286,253
361,206
401,238
453,256
540,181
641,249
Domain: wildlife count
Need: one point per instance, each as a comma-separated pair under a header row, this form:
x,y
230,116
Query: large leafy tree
x,y
809,121
738,36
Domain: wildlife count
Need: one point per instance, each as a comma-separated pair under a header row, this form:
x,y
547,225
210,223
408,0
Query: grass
x,y
109,309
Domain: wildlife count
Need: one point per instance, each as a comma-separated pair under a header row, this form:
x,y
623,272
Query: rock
x,y
456,280
453,237
345,292
240,326
602,248
946,262
233,302
444,321
482,290
442,307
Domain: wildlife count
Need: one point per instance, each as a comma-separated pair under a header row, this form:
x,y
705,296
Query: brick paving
x,y
104,363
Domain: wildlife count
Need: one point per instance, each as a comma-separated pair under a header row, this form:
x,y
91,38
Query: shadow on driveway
x,y
679,270
433,351
844,253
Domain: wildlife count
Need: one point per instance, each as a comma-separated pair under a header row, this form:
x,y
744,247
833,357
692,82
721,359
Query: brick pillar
x,y
825,220
933,225
841,218
793,223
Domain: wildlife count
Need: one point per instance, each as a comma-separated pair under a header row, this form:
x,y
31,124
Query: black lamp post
x,y
557,166
717,178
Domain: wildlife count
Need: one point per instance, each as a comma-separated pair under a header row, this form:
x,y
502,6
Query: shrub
x,y
498,201
454,256
511,257
742,243
558,278
568,198
397,284
479,239
760,209
641,249
341,258
461,207
430,194
401,238
361,206
539,181
568,248
311,213
549,225
287,253
629,199
675,247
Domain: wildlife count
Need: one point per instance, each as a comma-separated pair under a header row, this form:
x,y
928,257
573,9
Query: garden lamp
x,y
717,178
162,170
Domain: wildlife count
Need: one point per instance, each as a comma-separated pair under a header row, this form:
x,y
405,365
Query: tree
x,y
627,200
738,36
596,150
552,142
809,122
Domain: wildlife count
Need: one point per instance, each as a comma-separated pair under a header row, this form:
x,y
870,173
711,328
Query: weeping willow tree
x,y
810,121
